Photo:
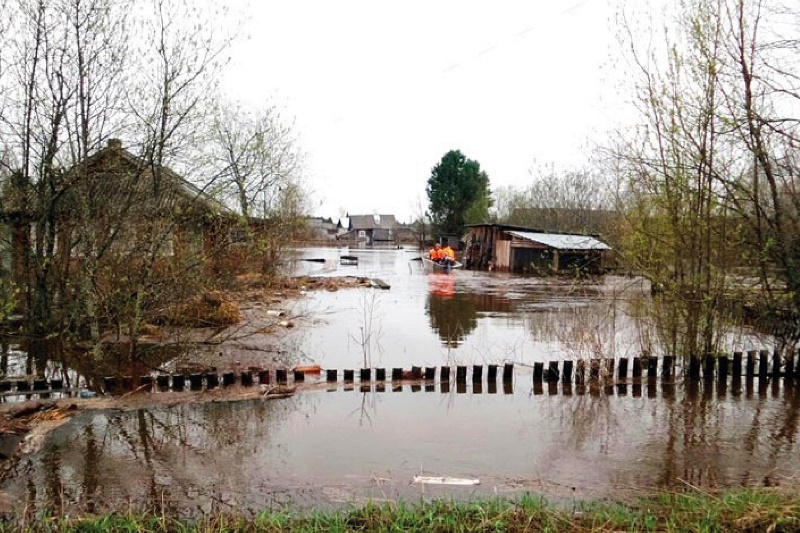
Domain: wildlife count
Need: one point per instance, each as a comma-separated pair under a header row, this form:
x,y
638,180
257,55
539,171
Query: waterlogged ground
x,y
333,447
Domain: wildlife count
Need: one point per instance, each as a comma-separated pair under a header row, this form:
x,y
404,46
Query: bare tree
x,y
255,154
677,230
577,201
74,74
761,95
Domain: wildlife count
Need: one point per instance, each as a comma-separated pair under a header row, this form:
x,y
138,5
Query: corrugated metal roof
x,y
563,242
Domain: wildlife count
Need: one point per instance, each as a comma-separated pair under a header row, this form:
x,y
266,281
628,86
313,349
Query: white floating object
x,y
438,480
274,312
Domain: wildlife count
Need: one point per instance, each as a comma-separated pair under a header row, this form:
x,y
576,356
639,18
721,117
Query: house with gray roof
x,y
371,229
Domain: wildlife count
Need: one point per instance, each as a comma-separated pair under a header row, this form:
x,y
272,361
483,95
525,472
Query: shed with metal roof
x,y
525,250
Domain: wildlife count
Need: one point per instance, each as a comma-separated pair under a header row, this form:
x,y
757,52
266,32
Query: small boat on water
x,y
433,266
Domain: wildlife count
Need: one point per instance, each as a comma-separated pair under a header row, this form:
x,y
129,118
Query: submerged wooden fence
x,y
749,365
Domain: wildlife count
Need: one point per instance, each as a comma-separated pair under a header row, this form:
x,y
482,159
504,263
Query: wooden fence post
x,y
566,377
594,369
723,368
763,363
709,366
508,372
750,366
552,372
538,372
737,364
637,368
652,367
622,373
776,364
694,368
666,369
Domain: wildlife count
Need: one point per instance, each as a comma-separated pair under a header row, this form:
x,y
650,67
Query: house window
x,y
362,234
237,235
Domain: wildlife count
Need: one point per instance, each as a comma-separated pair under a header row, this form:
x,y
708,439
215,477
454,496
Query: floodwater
x,y
468,317
332,449
346,444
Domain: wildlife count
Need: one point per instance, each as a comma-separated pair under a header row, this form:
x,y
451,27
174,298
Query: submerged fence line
x,y
749,365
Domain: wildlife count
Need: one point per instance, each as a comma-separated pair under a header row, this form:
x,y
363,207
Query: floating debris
x,y
439,480
380,284
309,369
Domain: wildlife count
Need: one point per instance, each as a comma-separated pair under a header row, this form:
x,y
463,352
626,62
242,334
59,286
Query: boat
x,y
433,266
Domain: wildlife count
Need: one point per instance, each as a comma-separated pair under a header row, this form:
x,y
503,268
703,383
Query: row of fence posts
x,y
762,364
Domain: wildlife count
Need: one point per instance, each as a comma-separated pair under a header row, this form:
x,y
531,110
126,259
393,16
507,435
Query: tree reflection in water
x,y
454,315
192,459
159,459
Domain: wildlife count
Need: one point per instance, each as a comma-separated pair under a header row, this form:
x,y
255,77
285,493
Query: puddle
x,y
331,449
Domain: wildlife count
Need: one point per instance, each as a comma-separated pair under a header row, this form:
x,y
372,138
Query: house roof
x,y
563,242
372,222
188,188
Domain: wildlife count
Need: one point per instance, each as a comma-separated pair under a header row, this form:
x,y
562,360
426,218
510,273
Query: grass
x,y
751,510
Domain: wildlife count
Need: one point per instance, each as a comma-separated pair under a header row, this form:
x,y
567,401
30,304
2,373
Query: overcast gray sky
x,y
381,90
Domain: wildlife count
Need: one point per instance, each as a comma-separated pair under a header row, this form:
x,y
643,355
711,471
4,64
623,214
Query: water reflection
x,y
333,448
454,315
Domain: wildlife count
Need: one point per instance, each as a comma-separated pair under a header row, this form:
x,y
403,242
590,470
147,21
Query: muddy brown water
x,y
333,449
346,445
468,317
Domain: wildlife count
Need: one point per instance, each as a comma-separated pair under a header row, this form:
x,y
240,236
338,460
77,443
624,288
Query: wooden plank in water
x,y
380,284
444,480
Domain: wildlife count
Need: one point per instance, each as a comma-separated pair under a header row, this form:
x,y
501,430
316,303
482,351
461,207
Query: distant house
x,y
323,229
525,250
371,229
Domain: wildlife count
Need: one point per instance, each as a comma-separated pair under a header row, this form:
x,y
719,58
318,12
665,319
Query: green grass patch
x,y
752,510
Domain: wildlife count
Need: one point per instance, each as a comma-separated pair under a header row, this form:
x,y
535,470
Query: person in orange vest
x,y
436,253
449,256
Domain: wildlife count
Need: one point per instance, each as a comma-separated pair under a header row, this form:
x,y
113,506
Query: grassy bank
x,y
735,511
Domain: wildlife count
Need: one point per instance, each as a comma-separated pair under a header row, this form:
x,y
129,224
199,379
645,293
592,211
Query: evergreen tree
x,y
458,192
